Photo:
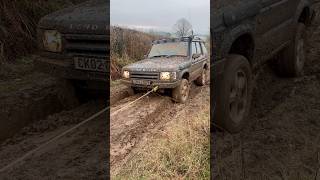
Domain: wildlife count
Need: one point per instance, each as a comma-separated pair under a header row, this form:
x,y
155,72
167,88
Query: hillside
x,y
128,46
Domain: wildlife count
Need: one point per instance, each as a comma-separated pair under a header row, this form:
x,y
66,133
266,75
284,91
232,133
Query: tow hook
x,y
155,89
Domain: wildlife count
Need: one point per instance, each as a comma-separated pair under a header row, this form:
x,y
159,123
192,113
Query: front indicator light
x,y
52,41
168,76
126,74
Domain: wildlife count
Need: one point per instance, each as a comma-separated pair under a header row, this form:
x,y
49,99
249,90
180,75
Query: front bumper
x,y
64,68
160,84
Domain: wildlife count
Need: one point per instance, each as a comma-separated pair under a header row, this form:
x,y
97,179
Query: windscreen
x,y
169,49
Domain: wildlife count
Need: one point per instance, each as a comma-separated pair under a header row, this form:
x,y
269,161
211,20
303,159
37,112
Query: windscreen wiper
x,y
158,56
175,55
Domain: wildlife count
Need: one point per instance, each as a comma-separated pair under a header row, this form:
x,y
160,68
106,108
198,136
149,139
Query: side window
x,y
204,49
199,51
194,49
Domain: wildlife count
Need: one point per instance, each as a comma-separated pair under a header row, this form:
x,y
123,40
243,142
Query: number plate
x,y
141,82
90,64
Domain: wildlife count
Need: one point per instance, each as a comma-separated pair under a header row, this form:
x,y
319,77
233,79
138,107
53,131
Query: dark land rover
x,y
170,64
73,44
245,34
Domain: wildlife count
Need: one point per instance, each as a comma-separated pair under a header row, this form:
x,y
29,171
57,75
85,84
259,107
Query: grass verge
x,y
182,151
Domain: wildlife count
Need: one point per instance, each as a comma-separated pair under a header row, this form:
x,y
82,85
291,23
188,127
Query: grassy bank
x,y
180,152
18,22
128,46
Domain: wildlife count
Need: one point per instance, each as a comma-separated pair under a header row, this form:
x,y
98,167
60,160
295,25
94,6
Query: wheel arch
x,y
205,66
185,75
243,45
240,40
304,12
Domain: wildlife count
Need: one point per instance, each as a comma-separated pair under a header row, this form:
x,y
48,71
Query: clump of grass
x,y
124,60
183,152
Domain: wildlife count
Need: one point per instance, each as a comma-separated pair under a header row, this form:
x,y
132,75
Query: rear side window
x,y
194,48
199,51
204,49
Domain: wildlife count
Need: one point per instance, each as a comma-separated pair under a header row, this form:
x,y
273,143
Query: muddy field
x,y
34,109
132,128
282,141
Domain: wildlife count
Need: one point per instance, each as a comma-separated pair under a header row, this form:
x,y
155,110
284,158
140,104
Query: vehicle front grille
x,y
86,45
144,75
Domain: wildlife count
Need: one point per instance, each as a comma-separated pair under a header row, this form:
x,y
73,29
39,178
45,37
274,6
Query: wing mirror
x,y
195,56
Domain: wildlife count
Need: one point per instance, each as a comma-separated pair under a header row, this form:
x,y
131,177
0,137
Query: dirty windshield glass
x,y
169,49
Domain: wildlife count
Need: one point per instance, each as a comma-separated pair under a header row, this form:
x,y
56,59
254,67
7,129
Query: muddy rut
x,y
78,155
130,128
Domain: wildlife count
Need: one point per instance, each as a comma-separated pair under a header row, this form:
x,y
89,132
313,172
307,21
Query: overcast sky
x,y
161,15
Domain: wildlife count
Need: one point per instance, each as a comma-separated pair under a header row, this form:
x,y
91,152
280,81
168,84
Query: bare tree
x,y
182,28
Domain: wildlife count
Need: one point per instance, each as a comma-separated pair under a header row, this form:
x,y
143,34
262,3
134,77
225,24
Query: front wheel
x,y
180,94
132,91
234,94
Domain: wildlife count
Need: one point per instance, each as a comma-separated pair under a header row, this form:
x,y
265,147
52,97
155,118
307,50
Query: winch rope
x,y
71,129
132,102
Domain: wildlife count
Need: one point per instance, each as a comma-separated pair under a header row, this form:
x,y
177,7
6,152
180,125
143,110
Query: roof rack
x,y
184,38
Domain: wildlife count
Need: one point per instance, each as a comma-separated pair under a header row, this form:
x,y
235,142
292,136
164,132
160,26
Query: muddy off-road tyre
x,y
180,94
234,94
291,59
132,91
203,78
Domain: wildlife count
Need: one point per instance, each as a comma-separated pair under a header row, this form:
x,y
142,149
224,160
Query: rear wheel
x,y
234,94
180,94
203,78
292,58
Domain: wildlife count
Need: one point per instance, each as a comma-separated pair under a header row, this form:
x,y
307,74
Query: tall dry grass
x,y
18,21
183,152
128,46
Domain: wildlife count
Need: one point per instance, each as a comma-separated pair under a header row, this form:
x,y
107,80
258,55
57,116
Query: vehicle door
x,y
274,26
197,58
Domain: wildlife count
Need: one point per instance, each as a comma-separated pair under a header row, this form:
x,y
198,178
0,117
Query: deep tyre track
x,y
79,155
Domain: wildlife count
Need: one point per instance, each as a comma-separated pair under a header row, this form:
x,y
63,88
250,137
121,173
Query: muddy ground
x,y
35,108
283,140
132,128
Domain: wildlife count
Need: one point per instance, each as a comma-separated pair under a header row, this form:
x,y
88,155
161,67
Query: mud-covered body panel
x,y
160,64
84,30
86,18
254,31
270,23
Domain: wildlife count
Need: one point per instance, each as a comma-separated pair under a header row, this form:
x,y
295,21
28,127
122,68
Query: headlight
x,y
126,74
168,75
52,41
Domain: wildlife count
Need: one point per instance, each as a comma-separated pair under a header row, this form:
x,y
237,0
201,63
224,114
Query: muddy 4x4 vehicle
x,y
73,44
170,64
245,34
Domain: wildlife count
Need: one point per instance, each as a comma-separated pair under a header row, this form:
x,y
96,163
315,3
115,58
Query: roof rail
x,y
184,38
